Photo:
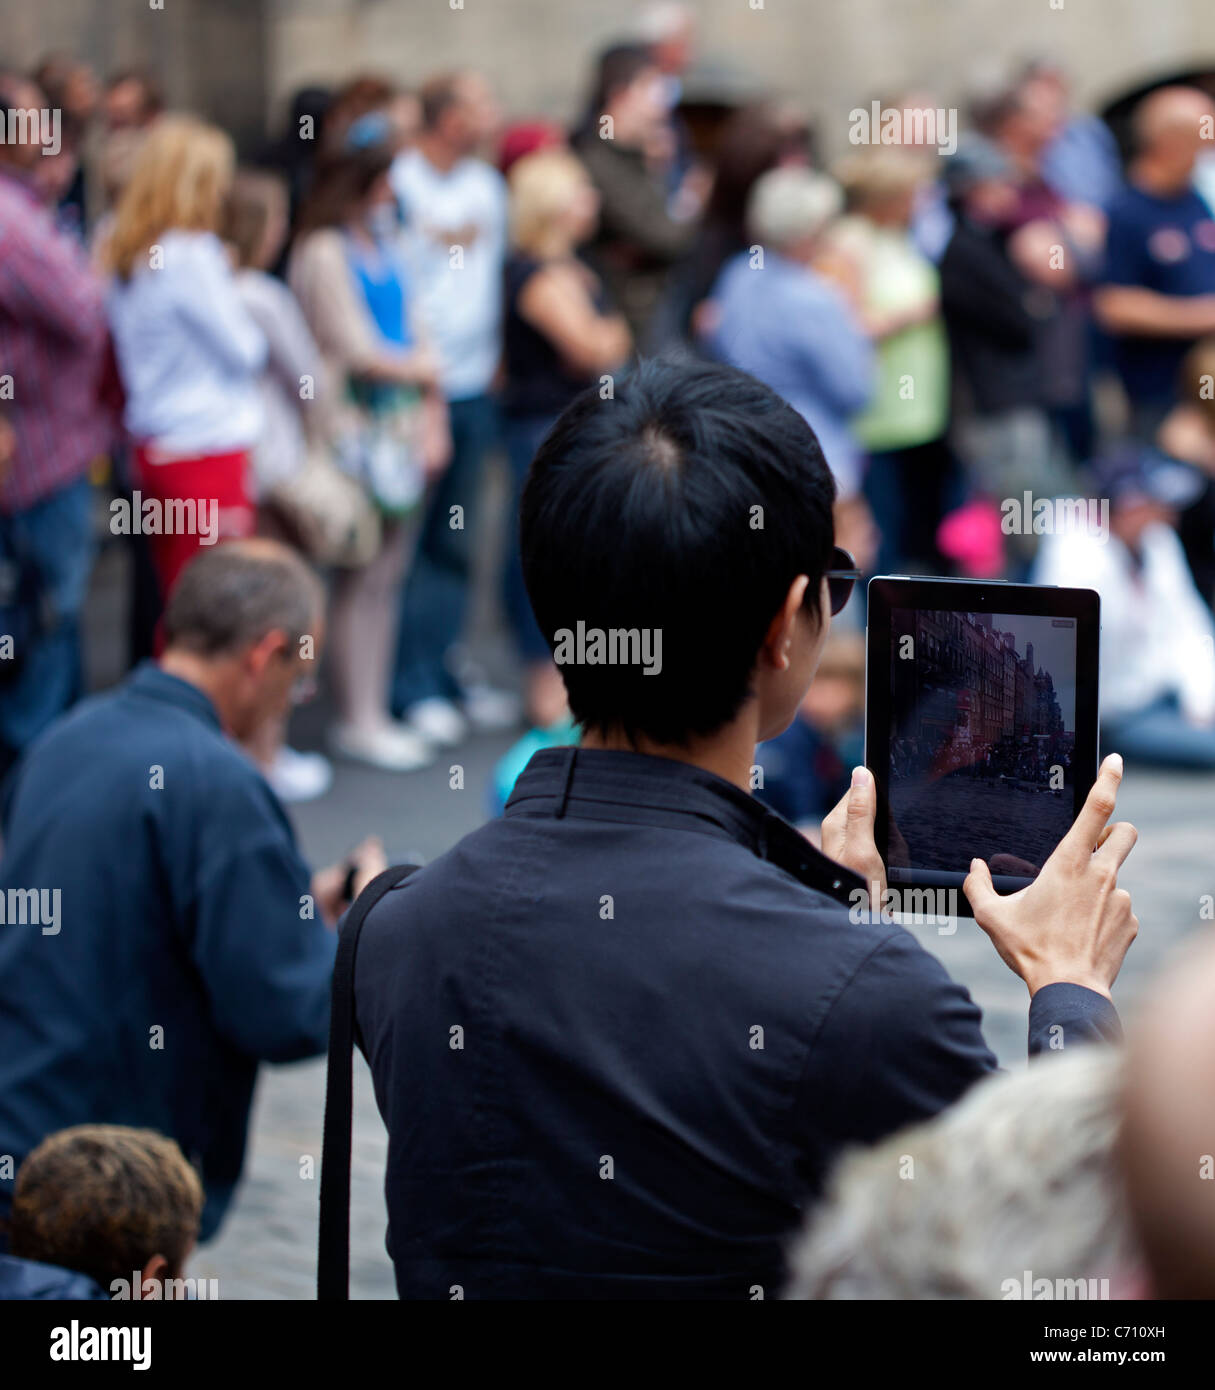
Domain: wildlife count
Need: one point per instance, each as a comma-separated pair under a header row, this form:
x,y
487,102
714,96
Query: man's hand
x,y
329,885
848,835
1073,924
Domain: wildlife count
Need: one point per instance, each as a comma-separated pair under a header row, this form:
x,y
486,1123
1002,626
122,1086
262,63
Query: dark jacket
x,y
637,240
996,320
185,949
618,1036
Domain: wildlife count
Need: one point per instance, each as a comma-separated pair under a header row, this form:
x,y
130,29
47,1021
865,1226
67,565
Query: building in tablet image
x,y
971,693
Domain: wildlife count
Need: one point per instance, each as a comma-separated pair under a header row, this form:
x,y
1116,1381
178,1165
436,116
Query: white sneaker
x,y
296,776
390,747
438,721
489,709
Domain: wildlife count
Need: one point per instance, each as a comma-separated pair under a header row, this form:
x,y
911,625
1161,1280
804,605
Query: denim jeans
x,y
435,599
1161,735
46,557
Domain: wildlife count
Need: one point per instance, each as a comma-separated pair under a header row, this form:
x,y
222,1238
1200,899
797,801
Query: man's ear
x,y
779,637
157,1269
265,650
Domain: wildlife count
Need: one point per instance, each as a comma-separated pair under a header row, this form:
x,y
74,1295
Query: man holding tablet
x,y
619,1034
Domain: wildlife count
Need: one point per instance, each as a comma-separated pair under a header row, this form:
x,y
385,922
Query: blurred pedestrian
x,y
454,208
755,138
1158,637
361,302
994,316
295,397
53,343
561,336
626,144
903,428
189,938
1157,293
188,352
776,316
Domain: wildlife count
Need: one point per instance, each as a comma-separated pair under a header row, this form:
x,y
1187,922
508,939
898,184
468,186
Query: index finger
x,y
1097,809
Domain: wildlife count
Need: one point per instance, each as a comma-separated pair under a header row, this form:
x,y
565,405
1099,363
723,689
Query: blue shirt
x,y
1082,163
184,951
795,331
1166,245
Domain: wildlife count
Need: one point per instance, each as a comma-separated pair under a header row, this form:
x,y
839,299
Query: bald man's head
x,y
1168,1132
1173,125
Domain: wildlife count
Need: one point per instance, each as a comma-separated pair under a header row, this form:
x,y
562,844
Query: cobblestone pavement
x,y
268,1246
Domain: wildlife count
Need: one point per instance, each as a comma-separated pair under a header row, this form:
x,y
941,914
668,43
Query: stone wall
x,y
238,59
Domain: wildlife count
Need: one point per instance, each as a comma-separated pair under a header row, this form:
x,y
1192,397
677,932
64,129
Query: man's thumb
x,y
861,805
978,887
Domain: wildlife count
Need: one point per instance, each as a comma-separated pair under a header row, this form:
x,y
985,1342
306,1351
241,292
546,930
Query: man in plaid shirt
x,y
53,339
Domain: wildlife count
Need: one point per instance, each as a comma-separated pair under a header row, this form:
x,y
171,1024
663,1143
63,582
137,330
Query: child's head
x,y
107,1201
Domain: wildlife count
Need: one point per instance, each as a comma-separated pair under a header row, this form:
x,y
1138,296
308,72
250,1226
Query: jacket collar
x,y
151,682
593,783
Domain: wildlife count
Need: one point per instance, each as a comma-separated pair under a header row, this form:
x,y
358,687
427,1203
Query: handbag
x,y
330,514
333,1240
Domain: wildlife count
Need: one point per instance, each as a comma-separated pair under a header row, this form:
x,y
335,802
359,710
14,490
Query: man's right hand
x,y
1073,924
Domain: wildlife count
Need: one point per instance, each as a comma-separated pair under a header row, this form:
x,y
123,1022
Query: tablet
x,y
981,730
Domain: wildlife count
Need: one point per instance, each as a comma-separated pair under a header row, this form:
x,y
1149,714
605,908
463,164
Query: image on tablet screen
x,y
982,739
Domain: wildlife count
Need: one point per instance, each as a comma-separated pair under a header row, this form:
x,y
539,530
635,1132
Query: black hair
x,y
617,67
684,504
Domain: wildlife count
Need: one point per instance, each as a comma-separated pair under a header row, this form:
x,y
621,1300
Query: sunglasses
x,y
842,575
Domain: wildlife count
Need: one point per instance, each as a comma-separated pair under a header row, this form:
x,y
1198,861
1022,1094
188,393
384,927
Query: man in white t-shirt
x,y
454,208
1157,640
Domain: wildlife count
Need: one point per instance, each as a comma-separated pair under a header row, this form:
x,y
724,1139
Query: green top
x,y
910,402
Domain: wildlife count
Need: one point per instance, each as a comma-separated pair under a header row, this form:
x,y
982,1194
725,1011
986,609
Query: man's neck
x,y
437,153
728,754
201,674
1159,180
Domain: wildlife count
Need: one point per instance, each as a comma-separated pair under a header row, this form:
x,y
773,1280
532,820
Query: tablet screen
x,y
982,742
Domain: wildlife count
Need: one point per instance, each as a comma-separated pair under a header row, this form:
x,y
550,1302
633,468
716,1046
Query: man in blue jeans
x,y
454,207
52,345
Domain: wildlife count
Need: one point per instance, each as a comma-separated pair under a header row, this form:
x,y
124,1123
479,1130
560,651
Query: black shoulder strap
x,y
333,1249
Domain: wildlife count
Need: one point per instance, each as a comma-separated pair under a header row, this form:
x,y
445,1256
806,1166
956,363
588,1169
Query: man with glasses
x,y
160,932
619,1034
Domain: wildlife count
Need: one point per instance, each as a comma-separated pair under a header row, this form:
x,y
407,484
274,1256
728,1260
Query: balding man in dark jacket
x,y
174,938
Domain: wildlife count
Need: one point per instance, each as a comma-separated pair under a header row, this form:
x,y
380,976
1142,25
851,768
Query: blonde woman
x,y
897,294
189,354
560,337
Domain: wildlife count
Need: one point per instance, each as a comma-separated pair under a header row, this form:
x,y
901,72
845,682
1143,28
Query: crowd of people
x,y
327,345
289,377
